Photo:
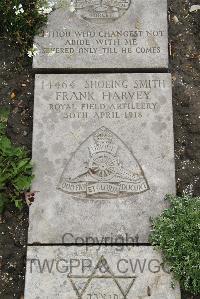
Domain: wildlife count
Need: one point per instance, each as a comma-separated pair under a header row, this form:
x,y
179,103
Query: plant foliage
x,y
177,234
20,25
15,169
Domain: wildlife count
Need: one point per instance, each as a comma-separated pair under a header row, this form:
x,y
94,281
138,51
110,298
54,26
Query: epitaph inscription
x,y
105,34
103,154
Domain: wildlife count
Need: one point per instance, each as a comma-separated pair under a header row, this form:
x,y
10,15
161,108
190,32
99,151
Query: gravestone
x,y
97,273
104,156
104,34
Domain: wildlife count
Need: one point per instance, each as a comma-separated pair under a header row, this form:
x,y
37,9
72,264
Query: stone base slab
x,y
97,273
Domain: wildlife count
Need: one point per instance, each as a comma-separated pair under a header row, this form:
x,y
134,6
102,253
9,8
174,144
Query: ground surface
x,y
17,89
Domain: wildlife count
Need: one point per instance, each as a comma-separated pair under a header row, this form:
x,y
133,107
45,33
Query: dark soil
x,y
17,92
184,38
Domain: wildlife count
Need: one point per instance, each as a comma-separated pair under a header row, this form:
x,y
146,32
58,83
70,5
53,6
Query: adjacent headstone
x,y
104,156
104,34
93,273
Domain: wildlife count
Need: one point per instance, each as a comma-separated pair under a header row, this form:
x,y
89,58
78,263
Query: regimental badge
x,y
101,11
103,167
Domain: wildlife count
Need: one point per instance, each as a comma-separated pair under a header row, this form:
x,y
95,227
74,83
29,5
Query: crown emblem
x,y
103,142
103,136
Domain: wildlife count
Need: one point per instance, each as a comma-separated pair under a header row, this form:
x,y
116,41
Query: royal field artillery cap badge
x,y
103,167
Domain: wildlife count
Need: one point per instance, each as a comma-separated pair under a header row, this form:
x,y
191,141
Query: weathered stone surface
x,y
126,34
97,273
103,154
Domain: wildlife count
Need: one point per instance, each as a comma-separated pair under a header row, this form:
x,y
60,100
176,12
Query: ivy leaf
x,y
22,183
5,145
18,203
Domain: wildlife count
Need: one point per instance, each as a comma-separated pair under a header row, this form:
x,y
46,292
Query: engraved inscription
x,y
101,11
117,99
103,166
103,42
93,286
